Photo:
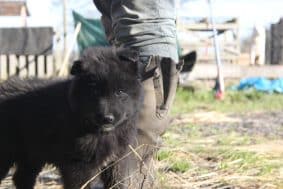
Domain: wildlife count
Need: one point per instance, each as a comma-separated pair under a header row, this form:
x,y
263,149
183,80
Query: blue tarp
x,y
261,84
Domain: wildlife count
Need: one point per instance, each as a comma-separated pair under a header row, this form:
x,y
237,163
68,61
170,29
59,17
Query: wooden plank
x,y
8,65
50,66
22,66
36,66
13,65
236,71
275,44
27,66
212,58
3,67
208,27
40,67
31,66
18,65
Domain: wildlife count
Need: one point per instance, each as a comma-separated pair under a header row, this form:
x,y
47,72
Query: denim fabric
x,y
148,25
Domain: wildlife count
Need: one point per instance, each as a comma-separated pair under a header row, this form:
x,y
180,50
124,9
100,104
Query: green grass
x,y
175,161
234,101
163,154
179,166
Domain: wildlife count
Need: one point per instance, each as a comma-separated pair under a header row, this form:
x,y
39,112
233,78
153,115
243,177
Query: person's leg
x,y
148,26
137,170
104,6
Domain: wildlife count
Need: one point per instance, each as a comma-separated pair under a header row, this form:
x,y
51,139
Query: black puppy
x,y
77,124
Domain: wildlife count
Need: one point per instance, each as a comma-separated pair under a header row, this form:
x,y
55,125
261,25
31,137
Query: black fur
x,y
77,124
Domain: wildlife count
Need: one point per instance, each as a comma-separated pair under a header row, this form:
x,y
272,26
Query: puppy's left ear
x,y
78,67
127,54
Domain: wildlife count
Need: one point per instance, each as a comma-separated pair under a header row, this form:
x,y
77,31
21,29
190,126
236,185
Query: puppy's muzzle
x,y
110,124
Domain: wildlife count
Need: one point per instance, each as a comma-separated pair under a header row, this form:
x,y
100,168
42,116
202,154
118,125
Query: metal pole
x,y
64,67
220,80
24,15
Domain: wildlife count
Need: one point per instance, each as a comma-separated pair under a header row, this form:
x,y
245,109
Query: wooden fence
x,y
27,52
42,66
276,43
201,30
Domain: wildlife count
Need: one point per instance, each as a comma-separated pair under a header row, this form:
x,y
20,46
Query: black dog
x,y
77,124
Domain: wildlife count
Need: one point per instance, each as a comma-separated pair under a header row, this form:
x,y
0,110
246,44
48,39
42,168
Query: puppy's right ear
x,y
127,54
77,67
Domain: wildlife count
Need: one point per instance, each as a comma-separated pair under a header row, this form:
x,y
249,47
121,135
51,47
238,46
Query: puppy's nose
x,y
109,118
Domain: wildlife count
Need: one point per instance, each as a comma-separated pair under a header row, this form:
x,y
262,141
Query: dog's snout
x,y
109,118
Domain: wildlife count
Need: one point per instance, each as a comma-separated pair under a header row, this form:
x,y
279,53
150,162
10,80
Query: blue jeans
x,y
148,25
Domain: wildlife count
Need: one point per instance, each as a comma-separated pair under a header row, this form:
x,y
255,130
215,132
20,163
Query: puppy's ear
x,y
130,58
127,54
78,67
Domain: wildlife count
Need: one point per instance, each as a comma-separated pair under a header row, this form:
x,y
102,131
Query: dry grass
x,y
210,162
236,143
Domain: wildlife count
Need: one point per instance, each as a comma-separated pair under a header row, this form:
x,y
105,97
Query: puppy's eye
x,y
121,94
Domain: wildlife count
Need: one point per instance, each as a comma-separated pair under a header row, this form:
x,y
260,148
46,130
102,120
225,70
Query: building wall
x,y
11,8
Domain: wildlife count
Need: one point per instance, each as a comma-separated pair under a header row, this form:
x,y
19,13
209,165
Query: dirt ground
x,y
209,130
226,151
267,124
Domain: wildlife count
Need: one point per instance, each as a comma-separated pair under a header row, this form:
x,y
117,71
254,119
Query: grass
x,y
180,166
234,101
192,159
235,139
